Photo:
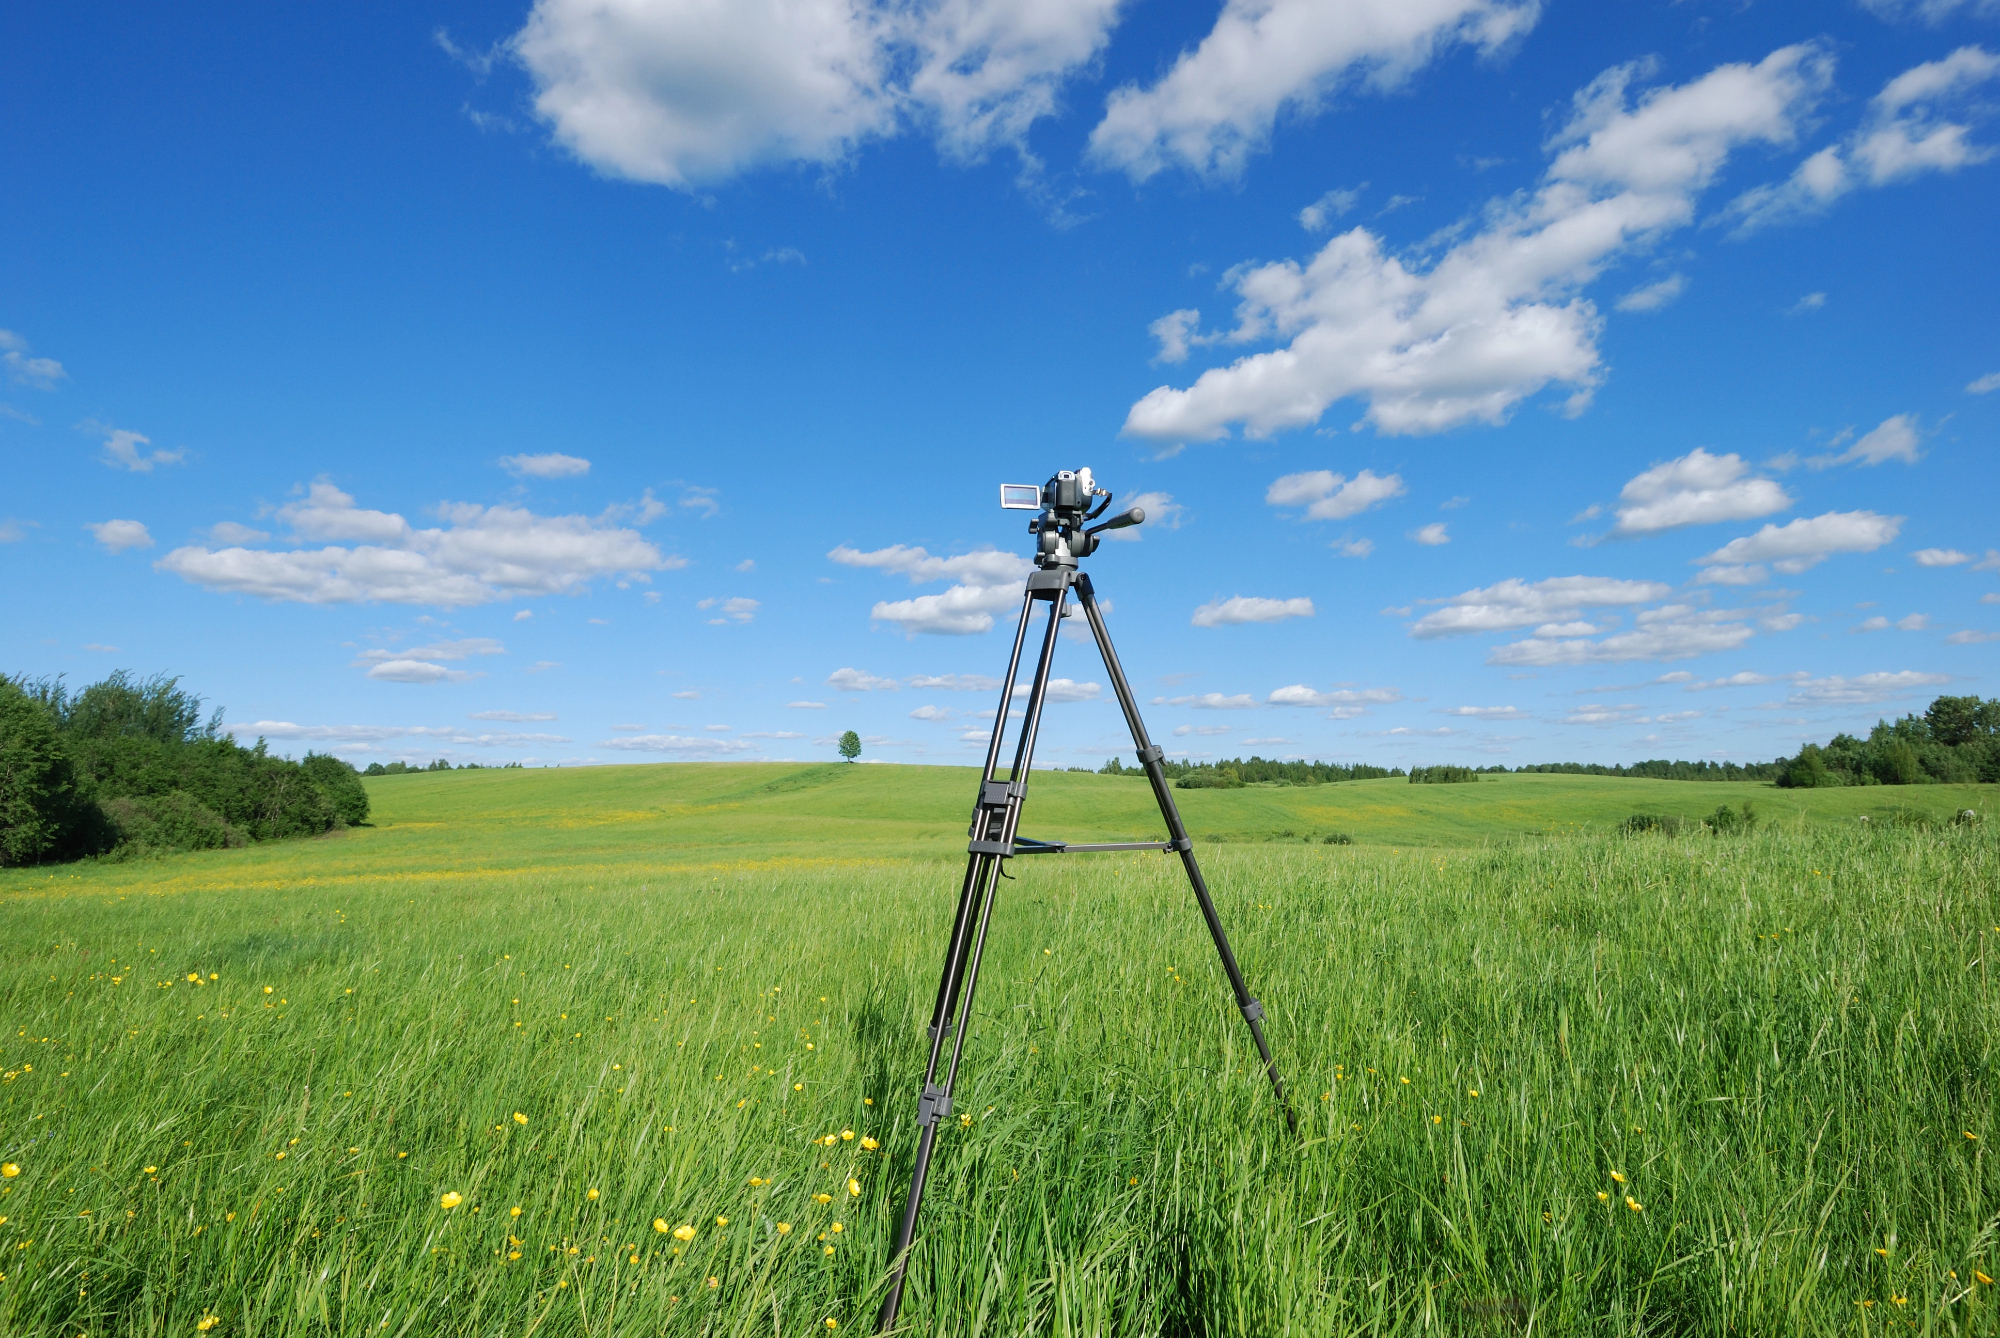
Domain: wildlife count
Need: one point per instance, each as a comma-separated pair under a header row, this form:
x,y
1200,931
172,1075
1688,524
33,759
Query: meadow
x,y
635,1050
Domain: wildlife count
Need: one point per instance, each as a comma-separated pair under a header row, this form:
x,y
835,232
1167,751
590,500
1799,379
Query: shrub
x,y
341,783
1663,823
1337,839
172,821
1726,820
1208,780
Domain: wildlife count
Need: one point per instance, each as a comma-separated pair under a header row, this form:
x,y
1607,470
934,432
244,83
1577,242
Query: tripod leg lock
x,y
933,1105
1253,1011
1152,752
1001,848
1179,845
949,1028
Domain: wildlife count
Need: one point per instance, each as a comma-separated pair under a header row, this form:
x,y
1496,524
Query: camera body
x,y
1068,503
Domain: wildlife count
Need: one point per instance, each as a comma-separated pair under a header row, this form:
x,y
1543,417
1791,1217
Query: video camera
x,y
1068,503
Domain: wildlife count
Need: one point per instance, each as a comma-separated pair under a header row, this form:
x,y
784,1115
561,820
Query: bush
x,y
173,821
1208,780
1726,820
342,784
1442,775
1662,823
1337,839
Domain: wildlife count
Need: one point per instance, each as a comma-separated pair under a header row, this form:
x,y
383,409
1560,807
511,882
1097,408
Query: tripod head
x,y
1068,503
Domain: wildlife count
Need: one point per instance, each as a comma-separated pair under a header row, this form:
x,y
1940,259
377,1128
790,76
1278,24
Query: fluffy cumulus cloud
x,y
983,584
1217,104
1904,133
1340,703
1211,701
119,535
1499,316
1676,632
736,609
683,92
1250,609
1653,296
478,555
1696,489
860,680
1329,496
553,465
1807,542
676,743
1940,557
954,682
1557,603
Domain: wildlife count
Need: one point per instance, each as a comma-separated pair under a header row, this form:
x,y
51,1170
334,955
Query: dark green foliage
x,y
341,783
1956,741
1337,839
850,745
1661,769
1726,821
45,813
1661,823
147,773
1209,780
1446,775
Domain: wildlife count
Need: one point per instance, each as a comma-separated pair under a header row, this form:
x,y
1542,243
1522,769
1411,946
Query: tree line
x,y
1955,741
129,766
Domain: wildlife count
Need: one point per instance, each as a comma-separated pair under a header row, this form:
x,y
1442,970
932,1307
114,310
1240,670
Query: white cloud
x,y
121,448
229,532
1745,679
932,713
1354,548
774,734
690,695
543,666
1516,603
417,671
734,610
1319,215
987,582
1250,609
1499,315
119,535
462,649
553,465
1679,635
1217,104
859,680
1696,489
1932,12
1215,701
1810,302
41,373
1740,574
1862,689
1915,622
1330,496
1182,731
955,682
1985,385
1486,712
1971,638
1991,562
680,92
1298,694
1162,513
805,706
1060,690
676,743
1901,136
514,717
11,532
1808,541
1894,438
1653,296
479,555
362,735
1175,331
1940,557
1432,534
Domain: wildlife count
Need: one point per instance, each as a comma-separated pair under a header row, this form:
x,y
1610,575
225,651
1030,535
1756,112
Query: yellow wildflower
x,y
451,1199
206,1322
519,1118
854,1188
1982,1277
1619,1176
838,1228
590,1194
847,1135
822,1198
1634,1204
10,1170
714,1283
829,1249
151,1169
515,1211
784,1228
1602,1196
832,1323
722,1221
684,1232
869,1145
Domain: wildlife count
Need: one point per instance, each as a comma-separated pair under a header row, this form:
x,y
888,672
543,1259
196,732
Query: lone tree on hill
x,y
850,745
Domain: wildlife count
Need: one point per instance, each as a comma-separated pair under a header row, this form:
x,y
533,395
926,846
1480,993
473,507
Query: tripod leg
x,y
982,879
1149,756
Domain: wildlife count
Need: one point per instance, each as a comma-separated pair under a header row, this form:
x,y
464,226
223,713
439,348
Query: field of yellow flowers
x,y
453,1075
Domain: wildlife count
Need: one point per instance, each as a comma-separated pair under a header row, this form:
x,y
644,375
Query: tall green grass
x,y
1782,1042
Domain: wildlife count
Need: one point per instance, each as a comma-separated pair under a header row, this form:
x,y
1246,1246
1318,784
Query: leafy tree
x,y
341,783
850,745
45,813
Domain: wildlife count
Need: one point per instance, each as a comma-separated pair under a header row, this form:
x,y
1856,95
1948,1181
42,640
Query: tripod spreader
x,y
994,838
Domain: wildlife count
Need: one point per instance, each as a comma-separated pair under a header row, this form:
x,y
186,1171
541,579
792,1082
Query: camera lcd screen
x,y
1021,496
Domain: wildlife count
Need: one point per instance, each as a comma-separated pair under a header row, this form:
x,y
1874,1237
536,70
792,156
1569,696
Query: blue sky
x,y
1506,382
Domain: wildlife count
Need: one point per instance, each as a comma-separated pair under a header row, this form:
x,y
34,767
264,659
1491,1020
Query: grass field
x,y
582,1005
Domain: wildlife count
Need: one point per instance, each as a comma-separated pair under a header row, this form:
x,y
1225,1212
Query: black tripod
x,y
1064,535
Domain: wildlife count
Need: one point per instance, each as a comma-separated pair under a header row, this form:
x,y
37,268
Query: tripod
x,y
996,817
